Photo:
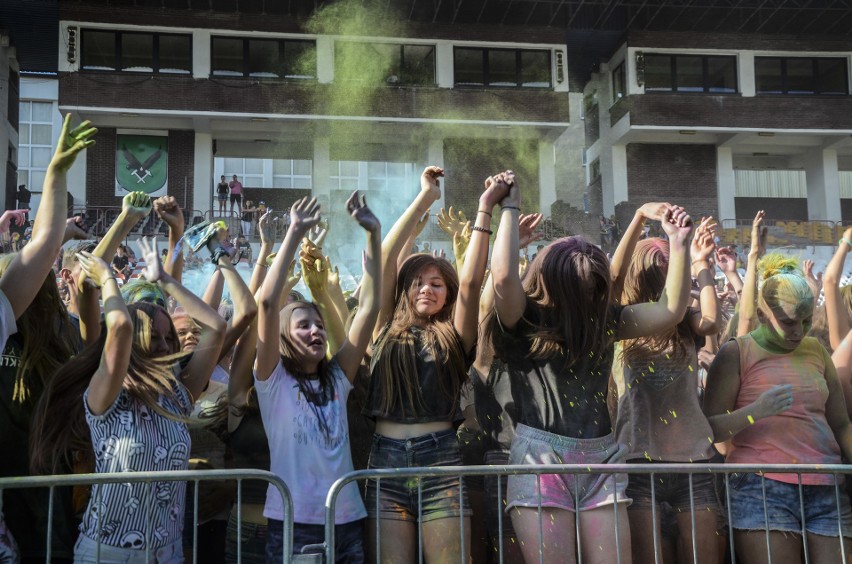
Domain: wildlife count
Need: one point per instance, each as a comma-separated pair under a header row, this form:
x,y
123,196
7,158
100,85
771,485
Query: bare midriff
x,y
396,430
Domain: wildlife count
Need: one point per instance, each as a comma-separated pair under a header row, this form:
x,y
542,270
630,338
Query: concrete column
x,y
203,172
726,185
823,179
435,156
745,73
325,60
444,66
321,180
614,176
546,177
201,55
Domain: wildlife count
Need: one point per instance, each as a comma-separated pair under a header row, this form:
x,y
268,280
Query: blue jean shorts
x,y
348,540
397,498
673,489
783,507
571,492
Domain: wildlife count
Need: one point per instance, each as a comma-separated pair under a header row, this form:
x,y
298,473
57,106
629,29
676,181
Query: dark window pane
x,y
619,82
690,73
800,76
263,58
387,61
767,75
137,52
833,76
98,50
300,59
469,67
350,61
175,54
502,68
418,64
658,73
722,74
535,69
227,57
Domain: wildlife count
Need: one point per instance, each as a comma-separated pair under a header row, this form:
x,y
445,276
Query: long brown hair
x,y
396,350
47,337
59,428
568,283
645,282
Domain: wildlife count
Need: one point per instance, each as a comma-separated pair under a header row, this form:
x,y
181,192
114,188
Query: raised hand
x,y
16,217
71,142
439,254
169,211
654,211
266,227
496,189
814,281
450,223
513,196
96,270
461,241
677,224
74,229
315,272
704,242
758,234
527,225
137,204
153,271
429,181
318,234
726,259
304,214
357,208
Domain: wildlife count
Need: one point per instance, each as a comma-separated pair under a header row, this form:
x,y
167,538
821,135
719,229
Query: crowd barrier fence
x,y
189,476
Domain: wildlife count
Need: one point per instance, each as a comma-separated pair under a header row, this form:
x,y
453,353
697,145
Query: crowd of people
x,y
488,358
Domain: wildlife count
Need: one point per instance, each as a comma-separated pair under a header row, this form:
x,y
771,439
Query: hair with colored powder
x,y
140,290
783,284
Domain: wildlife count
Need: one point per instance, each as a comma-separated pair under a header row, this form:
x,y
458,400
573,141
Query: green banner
x,y
141,164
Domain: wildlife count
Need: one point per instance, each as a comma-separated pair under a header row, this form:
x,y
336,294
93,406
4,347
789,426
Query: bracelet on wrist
x,y
845,240
263,264
482,229
511,208
485,212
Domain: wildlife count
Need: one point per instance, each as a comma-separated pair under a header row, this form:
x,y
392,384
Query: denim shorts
x,y
348,540
783,507
86,552
570,492
494,502
397,498
673,489
252,541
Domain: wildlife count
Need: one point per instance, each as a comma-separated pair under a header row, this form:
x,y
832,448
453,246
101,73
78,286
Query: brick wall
x,y
100,168
749,41
681,174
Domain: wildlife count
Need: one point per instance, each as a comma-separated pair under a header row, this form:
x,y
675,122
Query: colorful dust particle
x,y
751,419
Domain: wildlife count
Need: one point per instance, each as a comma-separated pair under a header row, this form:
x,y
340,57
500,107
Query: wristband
x,y
482,230
217,254
511,208
261,264
485,212
845,240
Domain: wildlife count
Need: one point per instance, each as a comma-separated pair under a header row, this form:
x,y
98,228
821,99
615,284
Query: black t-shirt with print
x,y
222,189
543,394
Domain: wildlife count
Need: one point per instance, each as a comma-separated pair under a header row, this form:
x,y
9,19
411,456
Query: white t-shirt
x,y
7,320
306,454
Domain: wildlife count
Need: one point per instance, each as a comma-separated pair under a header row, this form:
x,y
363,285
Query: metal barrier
x,y
783,232
190,476
652,470
100,218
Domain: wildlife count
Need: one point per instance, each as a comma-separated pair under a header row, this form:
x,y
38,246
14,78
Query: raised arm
x,y
836,410
509,296
652,317
215,288
726,260
748,301
466,314
303,215
315,269
266,228
108,379
703,244
197,373
652,211
169,211
836,313
22,279
245,308
396,238
354,346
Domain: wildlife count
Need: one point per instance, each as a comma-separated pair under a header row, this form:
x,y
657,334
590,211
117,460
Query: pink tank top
x,y
800,435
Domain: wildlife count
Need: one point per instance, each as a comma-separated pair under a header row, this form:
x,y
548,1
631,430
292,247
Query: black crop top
x,y
437,405
250,449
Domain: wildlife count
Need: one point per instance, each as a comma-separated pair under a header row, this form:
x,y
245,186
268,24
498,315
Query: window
x,y
690,73
619,82
376,63
263,58
801,75
35,143
292,173
249,171
136,52
509,68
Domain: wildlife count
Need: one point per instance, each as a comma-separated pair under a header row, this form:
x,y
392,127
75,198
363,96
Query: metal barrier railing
x,y
100,218
189,476
725,470
783,232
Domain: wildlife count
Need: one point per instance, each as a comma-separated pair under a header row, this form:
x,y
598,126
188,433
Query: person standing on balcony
x,y
236,195
222,192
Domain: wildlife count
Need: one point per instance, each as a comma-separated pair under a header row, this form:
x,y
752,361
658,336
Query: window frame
x,y
117,51
785,85
400,74
282,46
620,71
705,74
29,146
519,68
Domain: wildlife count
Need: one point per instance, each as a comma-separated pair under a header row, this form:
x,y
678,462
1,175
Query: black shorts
x,y
236,198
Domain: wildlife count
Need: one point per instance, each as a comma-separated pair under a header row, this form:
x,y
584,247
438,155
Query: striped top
x,y
130,437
